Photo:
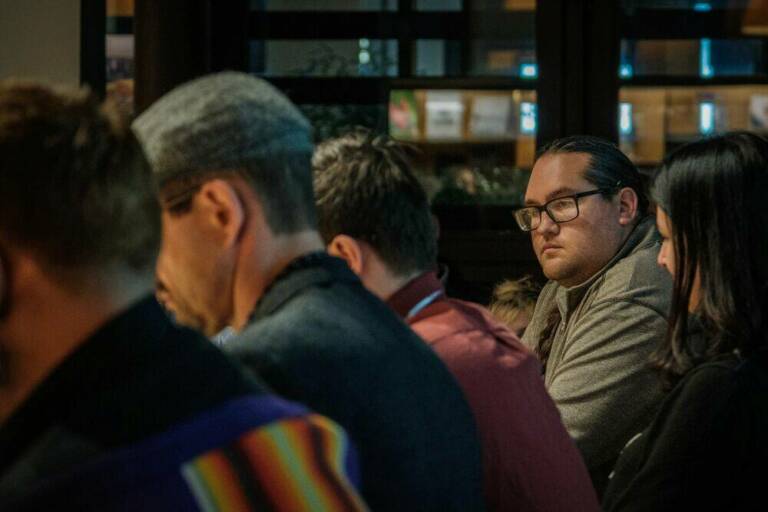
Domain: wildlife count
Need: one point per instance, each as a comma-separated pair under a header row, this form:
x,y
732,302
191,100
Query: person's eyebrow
x,y
558,192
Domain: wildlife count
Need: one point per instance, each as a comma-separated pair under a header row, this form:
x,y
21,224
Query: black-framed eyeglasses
x,y
180,200
560,209
177,196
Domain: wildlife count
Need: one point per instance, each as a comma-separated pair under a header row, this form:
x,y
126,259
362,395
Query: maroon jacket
x,y
530,462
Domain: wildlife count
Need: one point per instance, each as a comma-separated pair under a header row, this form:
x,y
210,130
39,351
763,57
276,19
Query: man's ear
x,y
350,250
222,210
628,202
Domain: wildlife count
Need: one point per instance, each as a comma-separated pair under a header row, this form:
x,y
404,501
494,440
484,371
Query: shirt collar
x,y
416,290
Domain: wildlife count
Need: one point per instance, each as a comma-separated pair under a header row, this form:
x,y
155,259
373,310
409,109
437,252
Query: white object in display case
x,y
491,117
445,115
758,112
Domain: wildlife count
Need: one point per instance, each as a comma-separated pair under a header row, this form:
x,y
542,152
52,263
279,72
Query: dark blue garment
x,y
110,427
318,337
162,473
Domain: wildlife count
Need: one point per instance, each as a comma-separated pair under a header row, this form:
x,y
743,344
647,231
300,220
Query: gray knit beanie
x,y
222,121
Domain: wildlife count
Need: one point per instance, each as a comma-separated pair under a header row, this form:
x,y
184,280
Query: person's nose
x,y
661,259
547,225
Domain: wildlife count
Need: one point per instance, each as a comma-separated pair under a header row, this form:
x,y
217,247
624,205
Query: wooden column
x,y
577,47
177,40
93,42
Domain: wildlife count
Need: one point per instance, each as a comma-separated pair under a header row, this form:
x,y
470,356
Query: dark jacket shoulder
x,y
319,337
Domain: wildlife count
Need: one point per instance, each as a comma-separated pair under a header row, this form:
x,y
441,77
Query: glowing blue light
x,y
527,118
626,71
625,119
706,117
529,70
705,59
702,7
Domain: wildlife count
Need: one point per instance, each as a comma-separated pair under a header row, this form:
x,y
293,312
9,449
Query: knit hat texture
x,y
223,121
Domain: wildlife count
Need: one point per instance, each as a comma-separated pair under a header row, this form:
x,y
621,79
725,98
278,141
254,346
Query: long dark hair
x,y
607,165
715,193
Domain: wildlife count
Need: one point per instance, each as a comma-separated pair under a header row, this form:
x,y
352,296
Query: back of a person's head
x,y
513,302
235,123
513,296
713,192
608,166
365,189
75,188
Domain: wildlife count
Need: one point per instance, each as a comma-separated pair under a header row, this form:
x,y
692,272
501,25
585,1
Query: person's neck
x,y
287,249
266,260
393,284
379,278
51,324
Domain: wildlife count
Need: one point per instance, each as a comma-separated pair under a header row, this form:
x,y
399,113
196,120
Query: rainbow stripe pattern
x,y
294,464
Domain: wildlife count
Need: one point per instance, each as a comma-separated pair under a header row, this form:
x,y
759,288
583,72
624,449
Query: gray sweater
x,y
597,372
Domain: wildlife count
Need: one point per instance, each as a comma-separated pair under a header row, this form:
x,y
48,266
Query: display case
x,y
690,69
119,48
454,79
475,86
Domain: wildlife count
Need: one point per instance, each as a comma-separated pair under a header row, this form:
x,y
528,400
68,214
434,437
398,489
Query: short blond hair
x,y
514,296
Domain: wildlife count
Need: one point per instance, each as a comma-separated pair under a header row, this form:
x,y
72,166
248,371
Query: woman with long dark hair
x,y
707,448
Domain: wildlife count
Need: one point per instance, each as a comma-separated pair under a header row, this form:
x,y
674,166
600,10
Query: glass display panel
x,y
503,58
327,57
656,120
119,50
477,5
705,58
334,120
694,5
323,5
442,58
474,146
439,5
120,62
437,57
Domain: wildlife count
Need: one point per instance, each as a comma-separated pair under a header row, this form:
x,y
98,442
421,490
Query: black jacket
x,y
134,378
319,337
707,447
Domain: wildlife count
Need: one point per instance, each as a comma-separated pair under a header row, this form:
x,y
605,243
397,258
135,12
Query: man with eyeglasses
x,y
104,404
231,156
374,214
603,311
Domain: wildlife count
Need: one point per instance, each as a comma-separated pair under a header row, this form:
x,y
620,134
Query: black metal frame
x,y
406,26
577,50
93,69
681,24
675,24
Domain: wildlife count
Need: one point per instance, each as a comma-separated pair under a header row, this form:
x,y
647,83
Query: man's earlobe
x,y
628,203
348,249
